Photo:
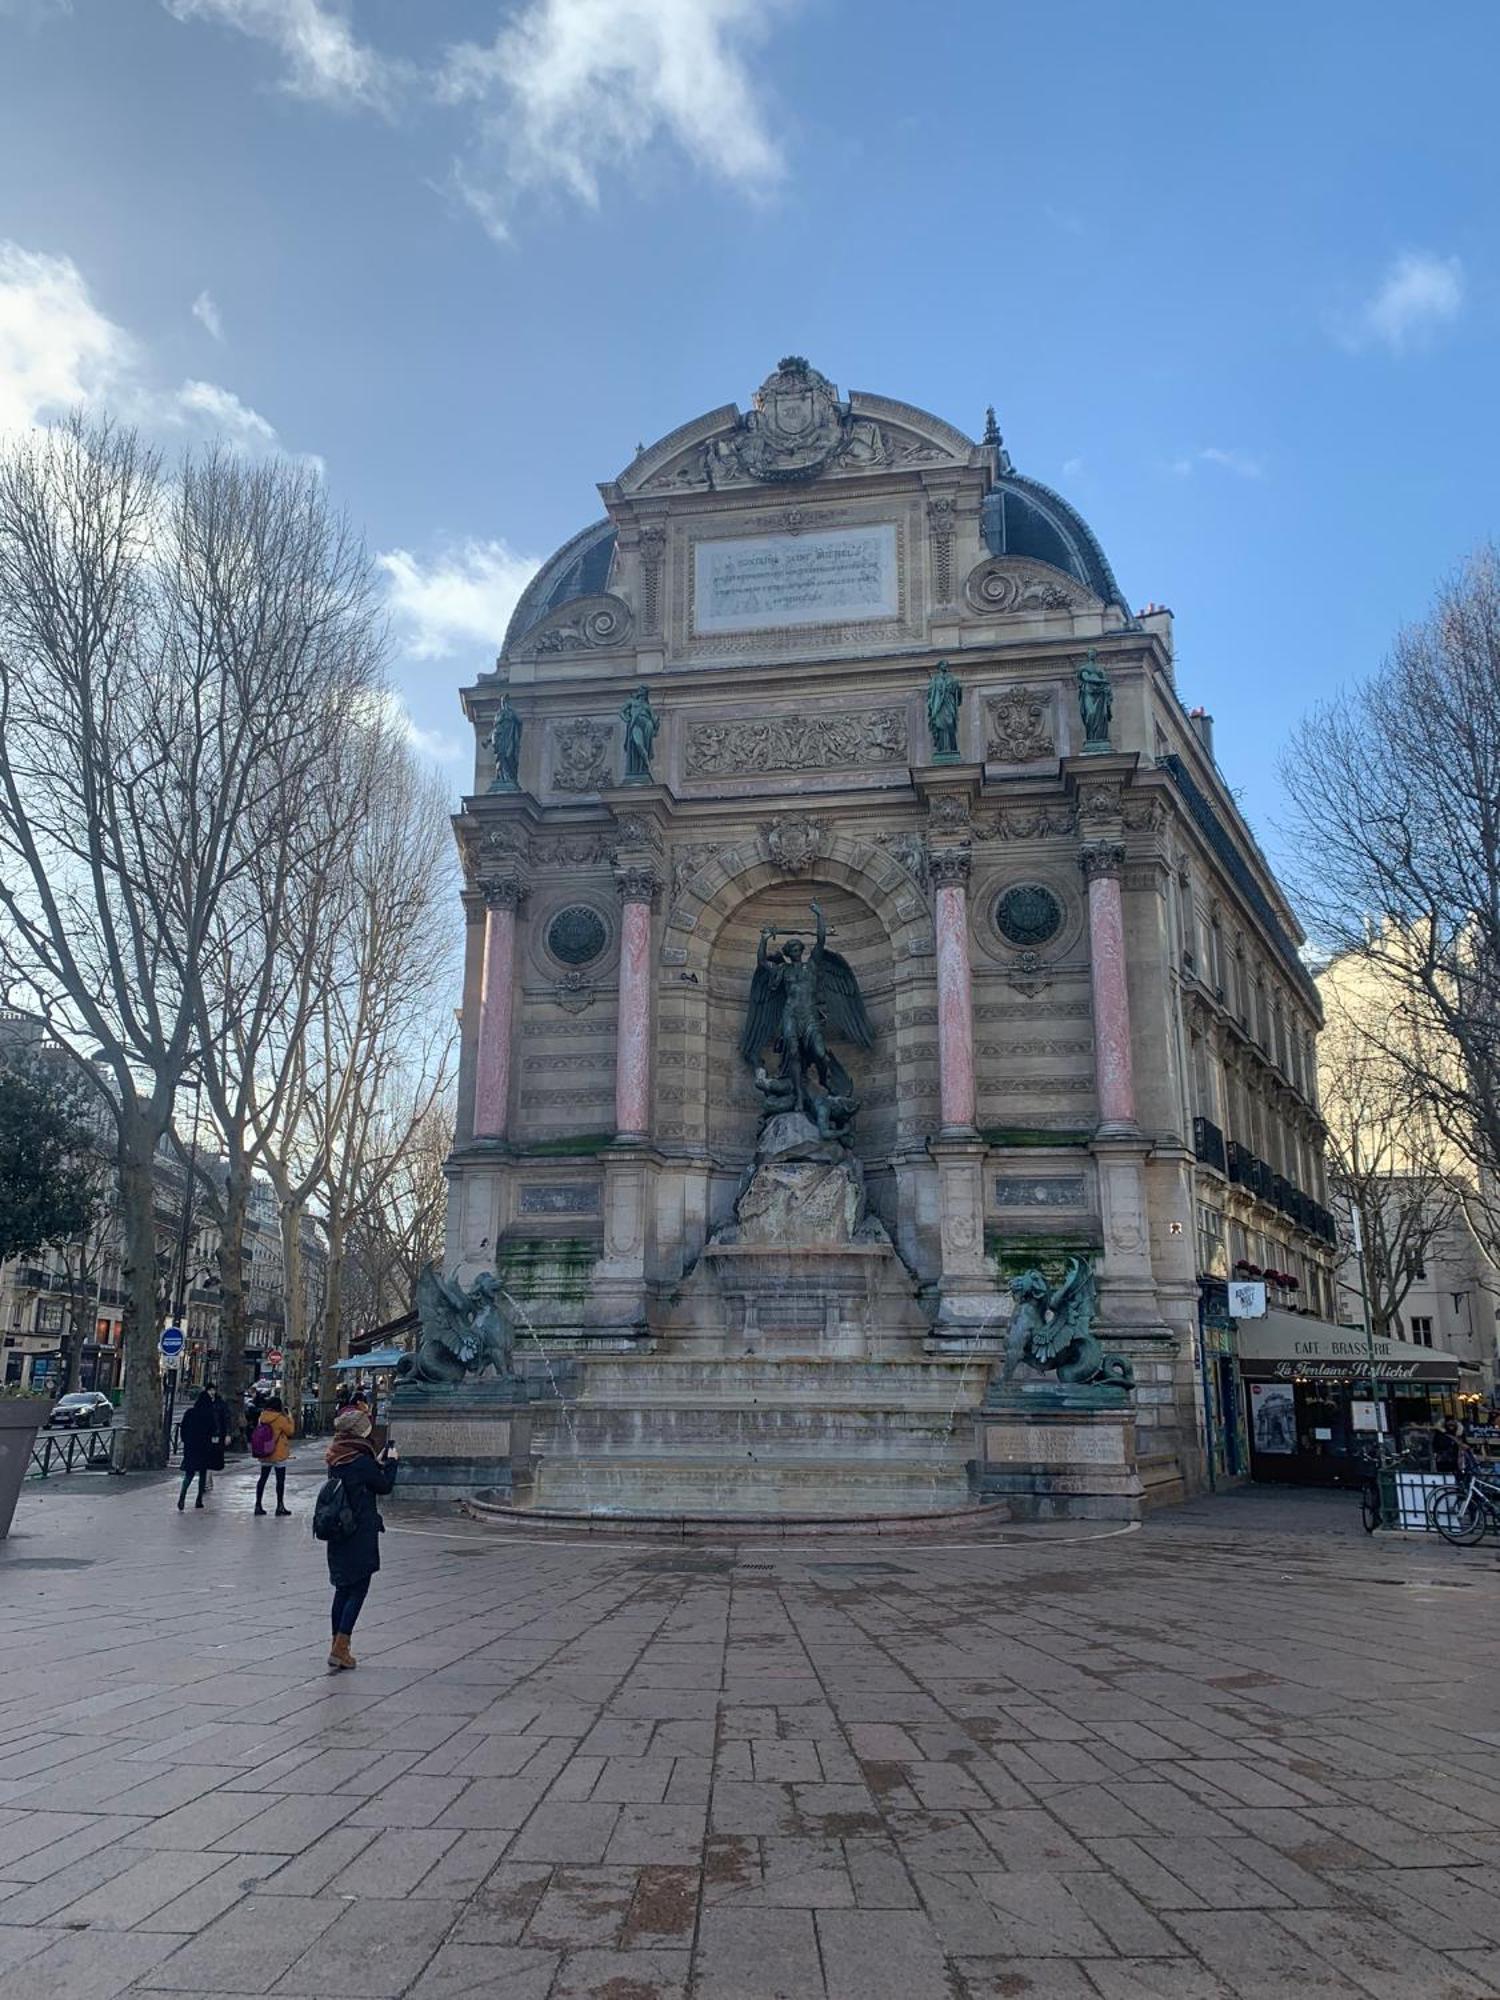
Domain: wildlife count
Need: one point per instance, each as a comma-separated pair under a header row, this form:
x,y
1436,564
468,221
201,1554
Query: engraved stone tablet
x,y
767,581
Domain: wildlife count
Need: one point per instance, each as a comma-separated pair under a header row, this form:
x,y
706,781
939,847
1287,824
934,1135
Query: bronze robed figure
x,y
798,999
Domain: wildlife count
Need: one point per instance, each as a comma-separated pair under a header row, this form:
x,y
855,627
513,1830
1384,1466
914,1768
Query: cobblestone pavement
x,y
1244,1752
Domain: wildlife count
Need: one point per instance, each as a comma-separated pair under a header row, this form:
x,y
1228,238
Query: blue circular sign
x,y
172,1341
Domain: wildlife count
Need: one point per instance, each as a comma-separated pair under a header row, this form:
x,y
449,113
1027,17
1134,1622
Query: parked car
x,y
85,1409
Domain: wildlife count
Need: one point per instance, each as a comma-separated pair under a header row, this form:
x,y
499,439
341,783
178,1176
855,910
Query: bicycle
x,y
1465,1513
1375,1502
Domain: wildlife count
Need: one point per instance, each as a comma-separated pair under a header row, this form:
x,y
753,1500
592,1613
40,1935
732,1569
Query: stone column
x,y
950,875
496,1007
638,888
1103,864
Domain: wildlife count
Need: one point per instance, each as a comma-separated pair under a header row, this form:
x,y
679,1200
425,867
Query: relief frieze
x,y
796,742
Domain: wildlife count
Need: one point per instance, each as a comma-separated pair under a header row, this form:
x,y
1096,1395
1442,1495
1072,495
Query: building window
x,y
1421,1331
1213,1261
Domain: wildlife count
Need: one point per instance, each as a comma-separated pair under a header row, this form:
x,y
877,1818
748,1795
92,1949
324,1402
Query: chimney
x,y
1203,724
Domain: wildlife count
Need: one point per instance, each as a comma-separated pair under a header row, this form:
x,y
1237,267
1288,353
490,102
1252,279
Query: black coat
x,y
357,1556
198,1429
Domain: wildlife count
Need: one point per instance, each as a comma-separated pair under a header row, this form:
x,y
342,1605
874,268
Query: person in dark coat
x,y
354,1559
198,1429
221,1433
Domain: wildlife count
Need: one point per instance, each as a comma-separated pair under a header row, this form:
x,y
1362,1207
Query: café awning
x,y
378,1357
1286,1347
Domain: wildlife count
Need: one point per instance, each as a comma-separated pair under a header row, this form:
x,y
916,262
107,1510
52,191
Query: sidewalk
x,y
1229,1757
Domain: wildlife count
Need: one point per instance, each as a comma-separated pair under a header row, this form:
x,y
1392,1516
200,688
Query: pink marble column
x,y
950,875
496,1009
1103,863
637,887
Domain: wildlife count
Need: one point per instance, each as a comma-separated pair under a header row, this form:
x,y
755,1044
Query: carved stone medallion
x,y
794,843
1020,722
581,761
1027,914
577,935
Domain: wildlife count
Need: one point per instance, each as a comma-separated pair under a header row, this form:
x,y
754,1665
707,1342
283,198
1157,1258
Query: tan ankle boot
x,y
339,1655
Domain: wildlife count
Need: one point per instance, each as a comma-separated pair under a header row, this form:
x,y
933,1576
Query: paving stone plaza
x,y
1237,1753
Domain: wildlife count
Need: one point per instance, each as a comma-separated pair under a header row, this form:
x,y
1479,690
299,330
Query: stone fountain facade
x,y
719,705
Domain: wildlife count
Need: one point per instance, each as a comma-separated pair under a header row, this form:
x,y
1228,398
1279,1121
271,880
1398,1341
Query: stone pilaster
x,y
949,869
1103,864
503,896
638,887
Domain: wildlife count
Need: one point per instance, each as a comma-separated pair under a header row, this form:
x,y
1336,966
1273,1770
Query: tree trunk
x,y
294,1309
143,1447
331,1341
232,1314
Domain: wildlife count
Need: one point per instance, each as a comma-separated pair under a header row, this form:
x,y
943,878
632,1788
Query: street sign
x,y
172,1341
273,1359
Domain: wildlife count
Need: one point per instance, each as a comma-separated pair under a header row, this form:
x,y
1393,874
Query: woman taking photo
x,y
354,1550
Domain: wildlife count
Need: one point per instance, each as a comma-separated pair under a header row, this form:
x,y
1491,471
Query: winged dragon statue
x,y
1051,1330
798,1000
462,1332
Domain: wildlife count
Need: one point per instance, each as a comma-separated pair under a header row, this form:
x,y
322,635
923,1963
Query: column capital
x,y
1102,861
503,892
637,884
948,866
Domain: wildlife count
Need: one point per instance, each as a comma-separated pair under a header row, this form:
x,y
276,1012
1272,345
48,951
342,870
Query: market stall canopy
x,y
1286,1347
378,1357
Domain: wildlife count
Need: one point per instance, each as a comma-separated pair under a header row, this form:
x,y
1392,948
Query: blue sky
x,y
1228,274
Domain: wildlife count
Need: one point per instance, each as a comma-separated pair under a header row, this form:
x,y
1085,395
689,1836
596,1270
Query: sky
x,y
1230,276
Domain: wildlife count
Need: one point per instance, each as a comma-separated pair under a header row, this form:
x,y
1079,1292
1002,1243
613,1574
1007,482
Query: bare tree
x,y
1396,803
164,647
380,1015
1387,1159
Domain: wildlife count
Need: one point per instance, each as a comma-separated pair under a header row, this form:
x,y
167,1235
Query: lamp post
x,y
184,1244
1364,1307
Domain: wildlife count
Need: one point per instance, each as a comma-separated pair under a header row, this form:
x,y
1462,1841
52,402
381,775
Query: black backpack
x,y
334,1519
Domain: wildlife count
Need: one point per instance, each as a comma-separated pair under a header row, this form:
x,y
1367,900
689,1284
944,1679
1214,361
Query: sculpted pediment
x,y
1013,585
583,625
796,431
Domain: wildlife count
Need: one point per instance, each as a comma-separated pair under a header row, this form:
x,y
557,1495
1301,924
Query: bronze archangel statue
x,y
798,998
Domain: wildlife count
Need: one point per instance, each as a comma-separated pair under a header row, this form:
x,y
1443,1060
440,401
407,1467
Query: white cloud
x,y
1419,293
325,61
1243,464
461,600
57,349
570,90
59,352
224,413
208,316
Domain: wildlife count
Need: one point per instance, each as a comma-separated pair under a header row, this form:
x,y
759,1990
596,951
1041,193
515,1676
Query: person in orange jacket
x,y
271,1443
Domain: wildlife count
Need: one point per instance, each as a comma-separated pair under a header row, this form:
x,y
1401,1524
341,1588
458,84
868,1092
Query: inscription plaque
x,y
767,581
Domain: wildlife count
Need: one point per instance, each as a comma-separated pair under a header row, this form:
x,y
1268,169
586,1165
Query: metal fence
x,y
58,1452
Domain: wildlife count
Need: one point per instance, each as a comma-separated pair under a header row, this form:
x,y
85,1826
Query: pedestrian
x,y
271,1443
354,1556
197,1433
221,1433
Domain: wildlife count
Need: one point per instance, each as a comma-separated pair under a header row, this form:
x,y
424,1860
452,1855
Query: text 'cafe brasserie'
x,y
1309,1401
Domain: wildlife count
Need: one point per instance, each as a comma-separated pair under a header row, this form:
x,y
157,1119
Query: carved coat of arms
x,y
1020,726
582,757
797,429
794,843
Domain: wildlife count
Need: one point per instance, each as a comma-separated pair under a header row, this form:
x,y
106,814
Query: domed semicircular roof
x,y
1020,517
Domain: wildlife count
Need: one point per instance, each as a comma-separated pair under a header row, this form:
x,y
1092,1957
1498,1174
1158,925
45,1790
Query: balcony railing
x,y
1245,1169
1208,1143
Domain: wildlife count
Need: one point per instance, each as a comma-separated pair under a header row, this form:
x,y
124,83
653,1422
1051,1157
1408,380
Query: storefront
x,y
1309,1407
